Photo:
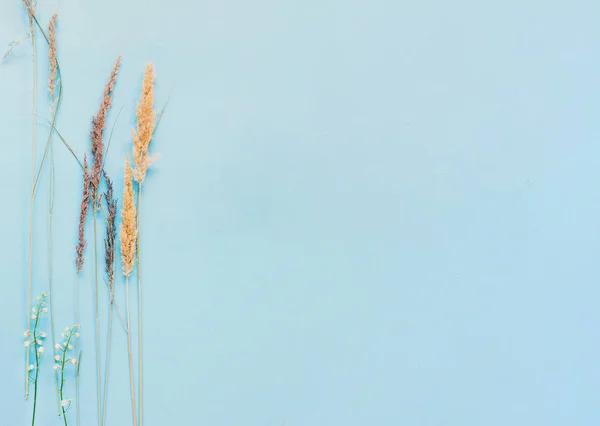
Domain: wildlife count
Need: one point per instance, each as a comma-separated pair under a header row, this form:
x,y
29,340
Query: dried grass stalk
x,y
128,236
111,231
83,210
30,7
98,125
128,231
53,79
146,116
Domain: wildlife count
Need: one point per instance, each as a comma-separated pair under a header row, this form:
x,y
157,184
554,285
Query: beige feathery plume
x,y
146,117
53,79
128,231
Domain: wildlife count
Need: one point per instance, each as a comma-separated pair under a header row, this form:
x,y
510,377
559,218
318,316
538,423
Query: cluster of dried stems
x,y
91,197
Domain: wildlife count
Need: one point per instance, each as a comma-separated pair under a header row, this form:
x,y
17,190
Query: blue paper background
x,y
365,213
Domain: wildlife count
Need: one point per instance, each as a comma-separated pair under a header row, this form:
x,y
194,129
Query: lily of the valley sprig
x,y
63,360
34,343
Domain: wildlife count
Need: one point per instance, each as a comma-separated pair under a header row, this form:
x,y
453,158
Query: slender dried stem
x,y
77,387
97,138
56,97
140,316
76,346
50,262
30,10
106,366
130,353
96,311
128,237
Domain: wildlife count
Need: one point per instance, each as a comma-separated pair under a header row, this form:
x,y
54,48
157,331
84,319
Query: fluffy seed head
x,y
142,135
83,210
128,229
53,79
111,230
98,124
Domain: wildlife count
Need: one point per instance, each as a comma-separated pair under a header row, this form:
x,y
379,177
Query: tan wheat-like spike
x,y
128,230
53,79
146,117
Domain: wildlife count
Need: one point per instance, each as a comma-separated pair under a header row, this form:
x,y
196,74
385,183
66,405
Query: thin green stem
x,y
37,360
77,387
35,383
140,329
62,373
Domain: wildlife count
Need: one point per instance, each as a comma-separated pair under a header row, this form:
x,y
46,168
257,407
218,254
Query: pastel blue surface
x,y
364,213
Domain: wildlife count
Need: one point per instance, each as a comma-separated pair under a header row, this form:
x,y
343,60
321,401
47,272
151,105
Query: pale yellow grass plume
x,y
142,136
128,229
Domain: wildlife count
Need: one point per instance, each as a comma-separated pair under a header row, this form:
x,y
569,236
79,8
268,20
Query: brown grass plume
x,y
98,125
85,203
